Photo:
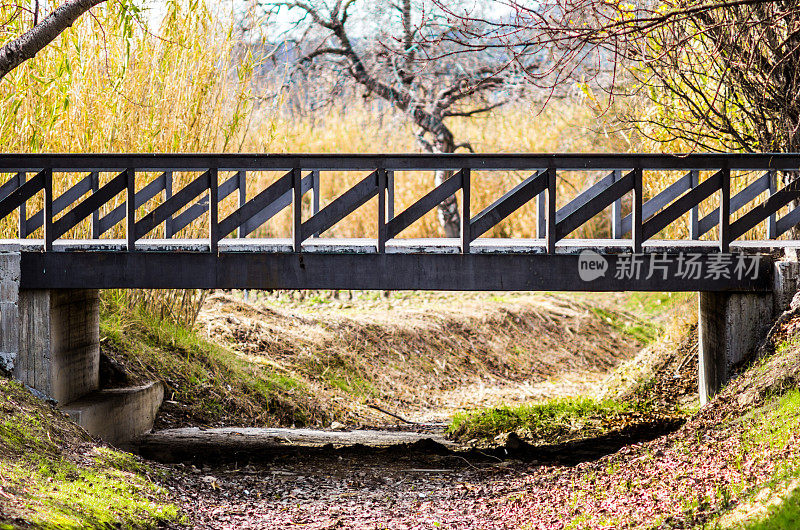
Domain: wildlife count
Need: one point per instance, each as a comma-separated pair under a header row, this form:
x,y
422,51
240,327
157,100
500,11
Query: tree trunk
x,y
447,212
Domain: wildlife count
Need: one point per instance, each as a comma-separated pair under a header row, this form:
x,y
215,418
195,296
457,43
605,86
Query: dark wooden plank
x,y
774,203
213,210
594,206
616,212
737,203
786,223
342,206
172,205
255,205
312,270
725,211
584,197
271,210
153,188
228,187
22,194
637,220
389,195
666,196
772,229
423,205
242,199
694,216
185,218
552,195
682,205
399,162
84,209
510,202
466,229
11,184
541,215
95,214
169,229
49,230
23,210
61,202
130,214
382,183
297,211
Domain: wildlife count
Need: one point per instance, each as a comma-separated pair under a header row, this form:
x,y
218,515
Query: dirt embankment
x,y
423,356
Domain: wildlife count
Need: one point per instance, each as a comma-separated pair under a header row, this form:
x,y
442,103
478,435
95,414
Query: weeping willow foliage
x,y
113,83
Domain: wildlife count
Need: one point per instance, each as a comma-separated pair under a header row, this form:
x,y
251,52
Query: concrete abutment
x,y
50,341
731,326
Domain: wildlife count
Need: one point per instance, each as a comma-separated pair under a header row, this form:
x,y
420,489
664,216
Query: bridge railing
x,y
29,175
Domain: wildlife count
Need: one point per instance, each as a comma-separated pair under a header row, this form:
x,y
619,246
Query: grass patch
x,y
644,332
548,422
208,383
53,476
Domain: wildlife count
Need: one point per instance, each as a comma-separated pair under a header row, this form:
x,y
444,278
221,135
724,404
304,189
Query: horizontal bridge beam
x,y
589,271
400,162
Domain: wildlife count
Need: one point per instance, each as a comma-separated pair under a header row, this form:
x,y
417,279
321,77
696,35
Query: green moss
x,y
548,421
58,479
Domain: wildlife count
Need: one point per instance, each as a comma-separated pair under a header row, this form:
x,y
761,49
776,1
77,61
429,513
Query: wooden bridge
x,y
229,257
69,210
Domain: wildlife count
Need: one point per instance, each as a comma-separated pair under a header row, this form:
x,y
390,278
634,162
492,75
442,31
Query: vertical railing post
x,y
389,195
297,210
541,215
694,227
725,211
636,213
551,210
616,211
130,214
241,184
95,180
315,195
382,180
466,236
772,231
47,211
168,233
23,211
213,210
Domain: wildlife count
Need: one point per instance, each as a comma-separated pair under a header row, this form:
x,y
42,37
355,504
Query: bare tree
x,y
722,75
42,32
390,62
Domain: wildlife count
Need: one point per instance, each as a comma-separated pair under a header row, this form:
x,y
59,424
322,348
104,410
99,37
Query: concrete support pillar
x,y
731,325
9,310
59,342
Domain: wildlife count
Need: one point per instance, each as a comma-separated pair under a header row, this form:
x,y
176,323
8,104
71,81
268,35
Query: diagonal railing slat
x,y
594,206
787,222
698,194
342,206
200,207
60,203
759,213
30,188
257,204
84,209
272,209
116,215
180,199
10,185
584,197
663,198
510,202
423,205
738,201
